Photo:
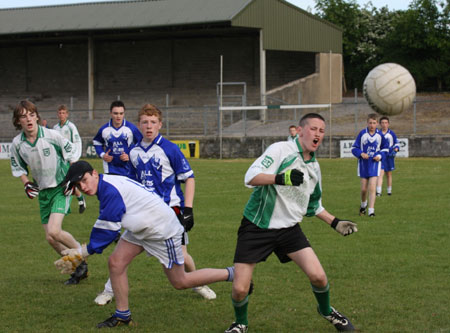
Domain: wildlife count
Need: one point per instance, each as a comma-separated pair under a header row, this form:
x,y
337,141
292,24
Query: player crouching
x,y
150,225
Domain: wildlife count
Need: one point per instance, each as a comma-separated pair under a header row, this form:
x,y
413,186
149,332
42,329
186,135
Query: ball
x,y
389,89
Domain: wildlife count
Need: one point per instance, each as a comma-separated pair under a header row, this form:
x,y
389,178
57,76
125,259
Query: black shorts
x,y
255,244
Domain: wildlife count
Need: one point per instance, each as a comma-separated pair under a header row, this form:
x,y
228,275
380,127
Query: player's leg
x,y
364,185
307,260
180,279
389,182
57,246
189,266
55,232
81,200
239,296
380,182
106,296
118,263
372,184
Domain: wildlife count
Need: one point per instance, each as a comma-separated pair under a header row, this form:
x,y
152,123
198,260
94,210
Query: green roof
x,y
285,27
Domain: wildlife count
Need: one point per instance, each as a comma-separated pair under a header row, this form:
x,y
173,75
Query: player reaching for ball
x,y
47,155
150,225
287,186
388,162
369,147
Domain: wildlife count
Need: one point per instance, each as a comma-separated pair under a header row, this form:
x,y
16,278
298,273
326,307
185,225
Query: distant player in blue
x,y
369,147
388,162
114,139
161,167
150,226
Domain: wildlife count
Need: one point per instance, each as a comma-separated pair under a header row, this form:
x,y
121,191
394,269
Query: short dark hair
x,y
292,126
308,116
384,118
116,104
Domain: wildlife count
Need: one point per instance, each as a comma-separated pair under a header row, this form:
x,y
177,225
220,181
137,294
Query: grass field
x,y
392,276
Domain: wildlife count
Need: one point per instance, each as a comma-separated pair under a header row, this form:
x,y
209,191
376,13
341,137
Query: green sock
x,y
80,197
240,310
323,298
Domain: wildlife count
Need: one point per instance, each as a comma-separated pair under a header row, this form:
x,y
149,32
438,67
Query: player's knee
x,y
50,239
179,284
240,290
318,279
54,235
115,264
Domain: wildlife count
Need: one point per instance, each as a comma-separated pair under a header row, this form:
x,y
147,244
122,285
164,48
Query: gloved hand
x,y
345,228
31,189
292,177
68,188
187,218
72,258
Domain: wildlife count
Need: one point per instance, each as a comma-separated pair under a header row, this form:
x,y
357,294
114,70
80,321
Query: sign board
x,y
346,148
4,150
190,148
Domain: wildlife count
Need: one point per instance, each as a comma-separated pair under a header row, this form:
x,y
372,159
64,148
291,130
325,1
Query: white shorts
x,y
168,251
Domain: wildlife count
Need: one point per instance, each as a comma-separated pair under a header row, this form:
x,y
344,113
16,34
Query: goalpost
x,y
271,107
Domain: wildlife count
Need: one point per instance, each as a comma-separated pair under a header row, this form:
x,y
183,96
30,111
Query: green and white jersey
x,y
70,132
47,158
277,206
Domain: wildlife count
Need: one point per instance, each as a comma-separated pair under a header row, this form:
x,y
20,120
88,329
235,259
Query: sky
x,y
304,4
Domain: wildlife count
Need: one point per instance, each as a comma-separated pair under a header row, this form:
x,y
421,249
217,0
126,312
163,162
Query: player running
x,y
150,225
369,147
70,132
388,162
159,165
114,139
47,155
287,186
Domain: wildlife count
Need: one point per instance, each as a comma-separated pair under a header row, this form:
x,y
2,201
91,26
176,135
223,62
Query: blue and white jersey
x,y
124,203
161,167
392,140
117,141
373,145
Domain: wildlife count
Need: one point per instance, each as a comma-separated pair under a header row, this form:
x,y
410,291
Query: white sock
x,y
108,287
389,189
371,211
378,189
363,204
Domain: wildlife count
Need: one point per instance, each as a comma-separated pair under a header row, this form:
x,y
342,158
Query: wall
x,y
252,147
315,88
187,69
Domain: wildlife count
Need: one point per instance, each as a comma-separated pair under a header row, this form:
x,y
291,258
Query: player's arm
x,y
344,227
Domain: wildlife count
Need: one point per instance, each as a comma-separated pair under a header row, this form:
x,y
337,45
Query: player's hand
x,y
124,157
72,258
364,156
345,228
31,189
292,177
187,218
69,187
106,157
377,158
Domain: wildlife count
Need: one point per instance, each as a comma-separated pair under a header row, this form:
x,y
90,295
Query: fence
x,y
429,115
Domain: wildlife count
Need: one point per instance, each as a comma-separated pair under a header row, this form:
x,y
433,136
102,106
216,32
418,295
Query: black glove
x,y
292,177
31,190
187,218
68,188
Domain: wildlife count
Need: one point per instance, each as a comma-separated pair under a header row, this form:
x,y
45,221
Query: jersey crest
x,y
267,161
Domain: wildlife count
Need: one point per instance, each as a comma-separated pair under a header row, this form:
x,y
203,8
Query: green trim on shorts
x,y
52,200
